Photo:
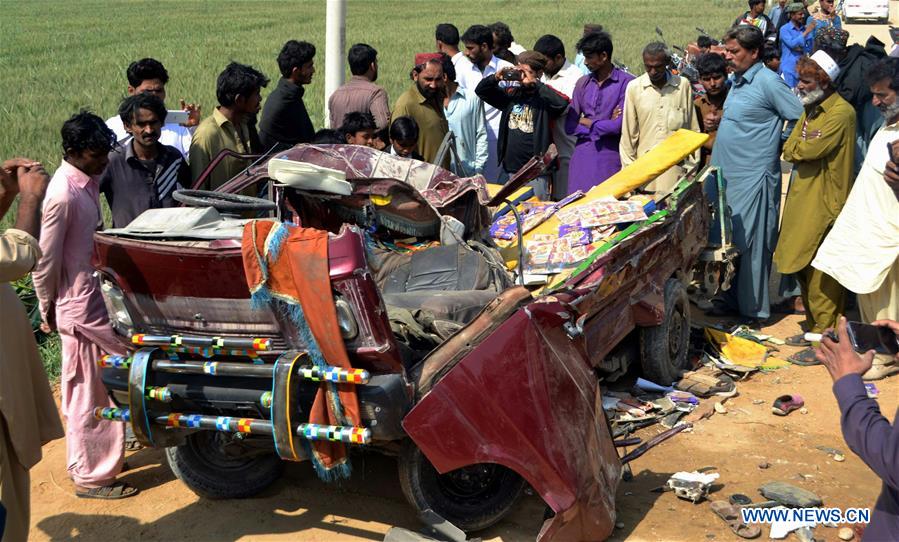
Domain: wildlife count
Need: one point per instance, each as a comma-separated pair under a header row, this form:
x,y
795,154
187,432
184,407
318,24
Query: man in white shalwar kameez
x,y
862,249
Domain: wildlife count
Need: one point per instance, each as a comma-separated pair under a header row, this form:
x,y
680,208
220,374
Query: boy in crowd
x,y
359,129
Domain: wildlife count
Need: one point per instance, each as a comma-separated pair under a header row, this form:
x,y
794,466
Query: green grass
x,y
59,57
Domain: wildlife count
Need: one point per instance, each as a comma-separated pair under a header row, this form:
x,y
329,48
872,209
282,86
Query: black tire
x,y
472,498
203,465
664,348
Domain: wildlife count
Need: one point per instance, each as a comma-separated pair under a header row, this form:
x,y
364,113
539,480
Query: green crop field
x,y
57,57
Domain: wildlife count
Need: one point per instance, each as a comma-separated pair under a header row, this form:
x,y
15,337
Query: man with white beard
x,y
822,150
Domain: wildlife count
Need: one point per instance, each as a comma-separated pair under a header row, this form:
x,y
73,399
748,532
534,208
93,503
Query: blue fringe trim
x,y
276,242
340,472
296,315
261,298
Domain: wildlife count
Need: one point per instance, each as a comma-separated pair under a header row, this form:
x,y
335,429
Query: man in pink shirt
x,y
71,303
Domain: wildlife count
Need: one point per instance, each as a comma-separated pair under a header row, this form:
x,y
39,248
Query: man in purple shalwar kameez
x,y
71,303
594,117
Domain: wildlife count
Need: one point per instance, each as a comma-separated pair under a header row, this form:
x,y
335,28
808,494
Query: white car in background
x,y
866,9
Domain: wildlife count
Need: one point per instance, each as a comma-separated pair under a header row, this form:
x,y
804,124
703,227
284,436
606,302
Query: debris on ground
x,y
732,516
872,390
781,529
790,495
691,486
785,404
706,382
829,451
846,534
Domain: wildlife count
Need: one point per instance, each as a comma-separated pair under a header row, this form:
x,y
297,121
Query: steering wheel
x,y
222,202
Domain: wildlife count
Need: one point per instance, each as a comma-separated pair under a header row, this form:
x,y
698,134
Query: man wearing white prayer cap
x,y
822,149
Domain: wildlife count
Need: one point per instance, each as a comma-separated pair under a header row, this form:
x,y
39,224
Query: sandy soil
x,y
299,507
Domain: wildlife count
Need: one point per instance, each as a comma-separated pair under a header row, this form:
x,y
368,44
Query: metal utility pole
x,y
335,43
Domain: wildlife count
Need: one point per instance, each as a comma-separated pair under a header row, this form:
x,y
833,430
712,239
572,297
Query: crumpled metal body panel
x,y
374,172
527,398
517,387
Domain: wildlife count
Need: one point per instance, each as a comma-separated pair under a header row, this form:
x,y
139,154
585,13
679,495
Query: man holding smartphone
x,y
867,432
527,106
150,76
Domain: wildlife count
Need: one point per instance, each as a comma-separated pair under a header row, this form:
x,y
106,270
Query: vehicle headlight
x,y
345,319
115,306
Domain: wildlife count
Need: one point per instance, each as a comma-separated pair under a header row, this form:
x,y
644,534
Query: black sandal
x,y
797,340
804,358
118,490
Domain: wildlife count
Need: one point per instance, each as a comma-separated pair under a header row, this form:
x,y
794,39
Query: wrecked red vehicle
x,y
478,385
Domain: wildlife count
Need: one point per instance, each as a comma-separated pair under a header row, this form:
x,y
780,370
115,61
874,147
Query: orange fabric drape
x,y
289,265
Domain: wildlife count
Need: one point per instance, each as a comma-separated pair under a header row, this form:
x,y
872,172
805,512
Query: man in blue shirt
x,y
776,12
867,432
747,150
795,41
467,121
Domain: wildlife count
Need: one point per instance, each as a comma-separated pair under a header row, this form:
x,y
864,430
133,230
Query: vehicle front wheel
x,y
664,348
471,498
215,467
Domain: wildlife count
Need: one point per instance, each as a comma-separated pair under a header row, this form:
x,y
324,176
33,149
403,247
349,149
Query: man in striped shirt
x,y
142,172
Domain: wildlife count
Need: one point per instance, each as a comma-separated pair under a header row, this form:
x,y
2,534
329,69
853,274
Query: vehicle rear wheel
x,y
213,467
472,498
664,348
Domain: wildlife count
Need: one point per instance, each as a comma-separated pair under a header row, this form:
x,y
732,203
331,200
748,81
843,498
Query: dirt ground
x,y
299,507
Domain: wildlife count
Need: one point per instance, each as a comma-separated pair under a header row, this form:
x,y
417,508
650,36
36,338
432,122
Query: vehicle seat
x,y
443,268
460,307
452,282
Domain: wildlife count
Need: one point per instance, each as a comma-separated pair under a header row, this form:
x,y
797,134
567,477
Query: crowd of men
x,y
828,108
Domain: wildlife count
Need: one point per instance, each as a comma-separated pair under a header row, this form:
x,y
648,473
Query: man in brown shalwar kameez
x,y
28,416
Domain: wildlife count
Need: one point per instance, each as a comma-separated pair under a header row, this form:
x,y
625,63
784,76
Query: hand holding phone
x,y
176,116
864,337
512,74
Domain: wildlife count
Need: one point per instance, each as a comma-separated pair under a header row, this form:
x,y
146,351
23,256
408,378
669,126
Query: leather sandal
x,y
797,340
731,515
804,358
118,490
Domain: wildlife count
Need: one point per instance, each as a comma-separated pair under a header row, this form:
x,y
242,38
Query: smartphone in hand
x,y
881,339
864,337
176,116
513,75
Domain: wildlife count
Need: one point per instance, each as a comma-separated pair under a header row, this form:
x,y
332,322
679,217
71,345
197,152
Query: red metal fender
x,y
526,398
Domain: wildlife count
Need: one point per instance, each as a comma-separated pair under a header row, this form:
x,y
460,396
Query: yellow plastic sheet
x,y
660,159
744,352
